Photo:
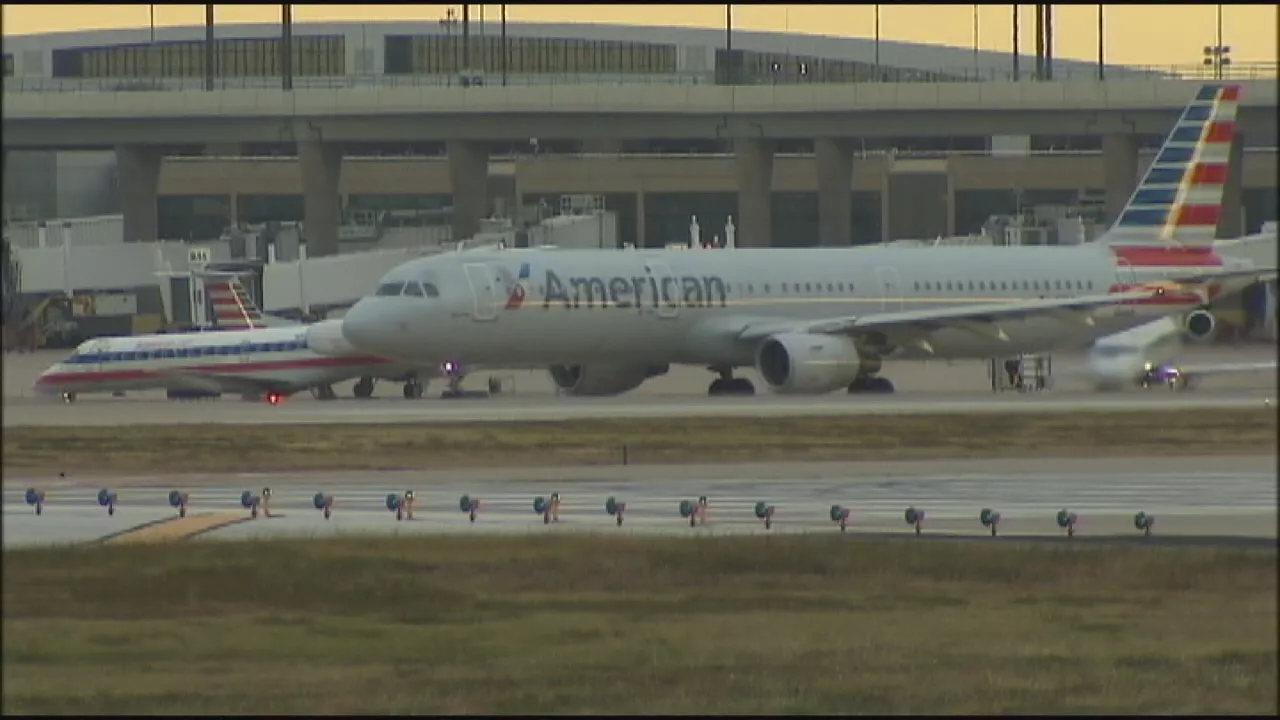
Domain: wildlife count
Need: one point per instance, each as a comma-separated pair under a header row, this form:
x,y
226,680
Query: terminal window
x,y
313,55
8,65
444,54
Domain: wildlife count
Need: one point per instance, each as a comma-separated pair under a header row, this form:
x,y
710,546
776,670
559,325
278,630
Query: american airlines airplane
x,y
252,355
1145,357
815,320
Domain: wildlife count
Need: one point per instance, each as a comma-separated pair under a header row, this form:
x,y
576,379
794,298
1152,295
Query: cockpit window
x,y
430,289
389,289
413,289
1111,351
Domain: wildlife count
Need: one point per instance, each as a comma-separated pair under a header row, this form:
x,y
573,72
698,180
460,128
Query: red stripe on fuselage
x,y
220,369
1167,256
1169,297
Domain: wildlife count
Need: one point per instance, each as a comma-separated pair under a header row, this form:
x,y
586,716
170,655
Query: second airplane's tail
x,y
1179,199
231,305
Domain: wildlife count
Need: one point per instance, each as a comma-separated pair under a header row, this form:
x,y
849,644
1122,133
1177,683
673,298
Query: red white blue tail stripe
x,y
233,309
1179,200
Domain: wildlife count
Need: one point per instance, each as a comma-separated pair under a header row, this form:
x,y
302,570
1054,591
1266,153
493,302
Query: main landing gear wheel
x,y
727,384
413,390
364,388
870,384
324,392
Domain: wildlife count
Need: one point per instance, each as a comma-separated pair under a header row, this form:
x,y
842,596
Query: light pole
x,y
728,44
1219,55
449,22
1016,73
1101,38
877,62
975,39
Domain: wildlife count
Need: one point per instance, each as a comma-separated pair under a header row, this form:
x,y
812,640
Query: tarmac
x,y
1195,500
923,387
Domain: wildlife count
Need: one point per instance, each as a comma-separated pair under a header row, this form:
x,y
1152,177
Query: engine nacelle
x,y
1199,325
325,338
804,363
599,380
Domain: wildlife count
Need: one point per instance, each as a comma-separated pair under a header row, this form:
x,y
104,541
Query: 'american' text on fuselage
x,y
635,292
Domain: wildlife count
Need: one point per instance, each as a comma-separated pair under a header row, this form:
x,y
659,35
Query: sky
x,y
1154,34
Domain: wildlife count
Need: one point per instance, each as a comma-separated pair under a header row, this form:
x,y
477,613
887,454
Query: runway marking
x,y
175,529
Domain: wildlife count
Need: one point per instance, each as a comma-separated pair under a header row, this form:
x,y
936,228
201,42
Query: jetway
x,y
317,284
325,284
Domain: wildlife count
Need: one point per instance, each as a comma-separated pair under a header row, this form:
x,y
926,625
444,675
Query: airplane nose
x,y
44,383
365,328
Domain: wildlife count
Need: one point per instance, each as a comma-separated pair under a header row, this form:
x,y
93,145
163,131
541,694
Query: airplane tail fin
x,y
1179,199
232,307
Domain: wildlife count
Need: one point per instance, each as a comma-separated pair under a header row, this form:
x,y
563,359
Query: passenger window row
x,y
1003,286
194,352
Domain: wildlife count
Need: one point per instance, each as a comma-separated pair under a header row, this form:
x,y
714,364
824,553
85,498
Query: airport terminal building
x,y
868,184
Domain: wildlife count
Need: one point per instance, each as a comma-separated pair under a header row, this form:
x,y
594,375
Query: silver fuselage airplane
x,y
816,320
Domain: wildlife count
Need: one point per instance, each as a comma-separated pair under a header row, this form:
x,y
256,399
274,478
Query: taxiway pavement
x,y
1214,499
126,411
957,387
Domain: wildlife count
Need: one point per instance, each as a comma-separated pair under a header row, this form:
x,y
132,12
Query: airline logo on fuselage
x,y
516,299
636,291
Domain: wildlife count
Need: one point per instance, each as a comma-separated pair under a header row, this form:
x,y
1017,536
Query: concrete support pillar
x,y
233,209
138,167
753,165
835,191
321,166
469,175
640,226
602,146
1231,222
1119,172
224,149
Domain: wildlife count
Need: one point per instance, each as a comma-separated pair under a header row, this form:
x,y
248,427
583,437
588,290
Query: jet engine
x,y
803,363
1199,325
325,338
598,380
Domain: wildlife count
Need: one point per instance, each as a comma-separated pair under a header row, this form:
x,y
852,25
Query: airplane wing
x,y
1226,282
910,327
212,383
1225,368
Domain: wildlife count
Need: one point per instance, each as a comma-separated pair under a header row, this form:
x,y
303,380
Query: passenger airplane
x,y
1144,357
253,356
814,320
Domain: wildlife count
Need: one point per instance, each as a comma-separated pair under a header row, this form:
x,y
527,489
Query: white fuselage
x,y
1123,359
282,359
679,306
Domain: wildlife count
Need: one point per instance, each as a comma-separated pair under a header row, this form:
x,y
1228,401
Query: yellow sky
x,y
1145,34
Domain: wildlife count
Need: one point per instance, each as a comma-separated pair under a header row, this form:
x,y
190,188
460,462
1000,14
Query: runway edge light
x,y
914,518
989,518
469,505
615,509
841,515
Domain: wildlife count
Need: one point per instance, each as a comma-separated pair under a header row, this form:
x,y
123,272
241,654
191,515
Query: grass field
x,y
597,625
229,448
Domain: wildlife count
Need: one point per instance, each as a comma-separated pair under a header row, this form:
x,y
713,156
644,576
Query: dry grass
x,y
230,448
595,625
